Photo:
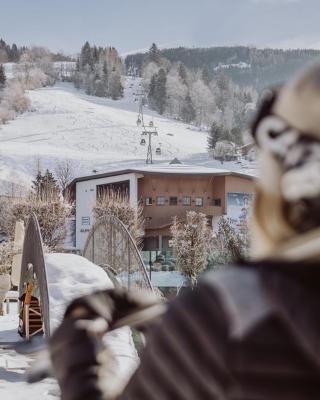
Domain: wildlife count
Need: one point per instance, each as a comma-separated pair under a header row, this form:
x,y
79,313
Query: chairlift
x,y
151,123
138,122
143,142
158,151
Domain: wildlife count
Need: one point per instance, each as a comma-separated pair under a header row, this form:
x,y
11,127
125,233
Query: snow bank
x,y
70,276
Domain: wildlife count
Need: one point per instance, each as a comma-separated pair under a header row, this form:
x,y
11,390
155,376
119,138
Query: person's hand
x,y
81,362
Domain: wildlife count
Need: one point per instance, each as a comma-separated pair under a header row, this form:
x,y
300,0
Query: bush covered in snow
x,y
227,244
7,252
31,77
36,68
34,71
191,241
13,101
51,216
117,203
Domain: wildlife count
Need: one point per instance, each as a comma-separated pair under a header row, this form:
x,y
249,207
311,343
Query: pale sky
x,y
132,25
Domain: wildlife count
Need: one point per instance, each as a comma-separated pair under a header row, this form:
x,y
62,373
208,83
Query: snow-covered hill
x,y
94,133
67,124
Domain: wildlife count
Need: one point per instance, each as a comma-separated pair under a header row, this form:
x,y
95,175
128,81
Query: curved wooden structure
x,y
110,245
33,268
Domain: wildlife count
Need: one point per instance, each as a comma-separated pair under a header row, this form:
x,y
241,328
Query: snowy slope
x,y
93,132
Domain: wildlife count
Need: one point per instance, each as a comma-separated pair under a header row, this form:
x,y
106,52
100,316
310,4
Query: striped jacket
x,y
251,332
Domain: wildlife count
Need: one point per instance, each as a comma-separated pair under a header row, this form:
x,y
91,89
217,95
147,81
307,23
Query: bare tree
x,y
64,173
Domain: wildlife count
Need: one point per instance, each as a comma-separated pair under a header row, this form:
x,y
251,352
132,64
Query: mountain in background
x,y
246,66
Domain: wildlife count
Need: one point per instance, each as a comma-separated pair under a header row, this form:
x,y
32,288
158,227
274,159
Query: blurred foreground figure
x,y
251,332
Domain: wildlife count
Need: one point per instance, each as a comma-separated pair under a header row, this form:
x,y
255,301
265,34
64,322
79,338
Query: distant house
x,y
248,151
165,190
225,151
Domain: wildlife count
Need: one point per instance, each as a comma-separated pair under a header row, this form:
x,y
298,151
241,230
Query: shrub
x,y
7,252
191,244
51,215
117,203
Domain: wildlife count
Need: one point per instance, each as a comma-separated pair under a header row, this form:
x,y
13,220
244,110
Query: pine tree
x,y
2,76
188,112
50,187
157,96
152,91
15,56
95,55
161,91
45,187
154,54
78,64
36,185
236,135
115,86
85,56
105,77
217,133
205,76
182,73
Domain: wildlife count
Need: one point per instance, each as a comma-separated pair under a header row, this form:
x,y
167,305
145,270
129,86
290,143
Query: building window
x,y
85,220
173,201
148,201
160,201
187,201
199,201
217,202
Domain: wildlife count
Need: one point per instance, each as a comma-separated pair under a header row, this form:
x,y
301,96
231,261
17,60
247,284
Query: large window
x,y
199,201
187,201
173,201
160,201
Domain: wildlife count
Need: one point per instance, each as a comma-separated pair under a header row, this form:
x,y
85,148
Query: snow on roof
x,y
189,169
166,169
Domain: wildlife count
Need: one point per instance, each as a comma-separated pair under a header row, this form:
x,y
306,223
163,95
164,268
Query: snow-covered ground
x,y
68,276
94,133
13,366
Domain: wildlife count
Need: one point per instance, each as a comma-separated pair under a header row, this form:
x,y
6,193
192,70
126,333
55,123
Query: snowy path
x,y
69,276
13,366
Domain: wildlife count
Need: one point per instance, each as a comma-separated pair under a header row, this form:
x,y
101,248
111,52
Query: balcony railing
x,y
157,222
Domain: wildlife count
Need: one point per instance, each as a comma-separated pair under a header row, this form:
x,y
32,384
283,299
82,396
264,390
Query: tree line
x,y
259,68
14,53
99,71
207,99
